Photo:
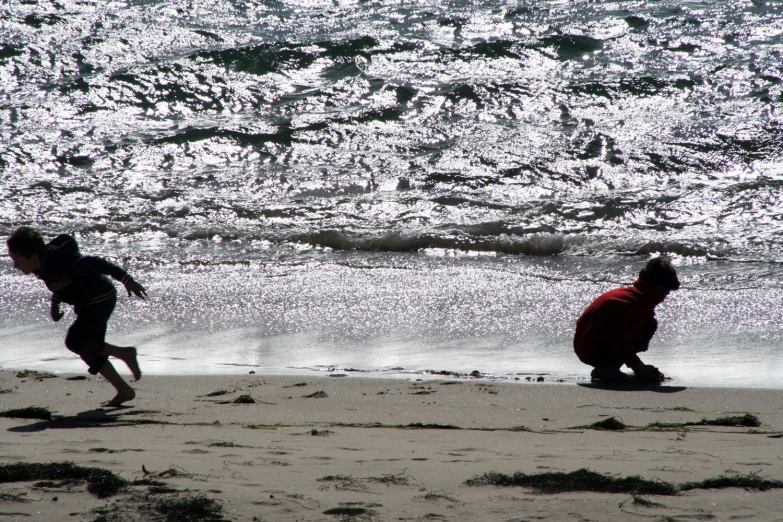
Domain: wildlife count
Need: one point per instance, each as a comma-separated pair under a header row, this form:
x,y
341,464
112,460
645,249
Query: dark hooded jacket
x,y
76,279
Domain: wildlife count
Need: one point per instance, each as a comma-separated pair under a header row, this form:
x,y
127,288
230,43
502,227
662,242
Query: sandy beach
x,y
342,447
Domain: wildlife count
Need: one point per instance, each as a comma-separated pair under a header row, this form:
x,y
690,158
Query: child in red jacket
x,y
619,324
81,282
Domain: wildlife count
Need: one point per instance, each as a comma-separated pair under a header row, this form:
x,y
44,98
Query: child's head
x,y
659,272
26,248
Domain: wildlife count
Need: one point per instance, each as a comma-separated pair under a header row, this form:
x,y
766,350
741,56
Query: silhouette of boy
x,y
619,324
81,282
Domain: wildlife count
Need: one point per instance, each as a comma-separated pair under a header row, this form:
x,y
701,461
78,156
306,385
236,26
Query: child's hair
x,y
27,242
660,272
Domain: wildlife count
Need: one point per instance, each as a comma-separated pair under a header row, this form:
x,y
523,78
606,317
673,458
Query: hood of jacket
x,y
62,251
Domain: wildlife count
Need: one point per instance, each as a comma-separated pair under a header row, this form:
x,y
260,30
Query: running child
x,y
81,282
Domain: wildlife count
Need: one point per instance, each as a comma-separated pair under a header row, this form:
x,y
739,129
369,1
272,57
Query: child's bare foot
x,y
121,397
130,359
125,353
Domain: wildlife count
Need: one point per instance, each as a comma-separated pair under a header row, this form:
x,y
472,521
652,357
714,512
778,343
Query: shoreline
x,y
273,447
394,374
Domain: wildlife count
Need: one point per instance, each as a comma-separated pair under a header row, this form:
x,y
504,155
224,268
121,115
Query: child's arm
x,y
648,372
93,264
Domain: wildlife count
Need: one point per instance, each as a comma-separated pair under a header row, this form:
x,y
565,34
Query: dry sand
x,y
351,448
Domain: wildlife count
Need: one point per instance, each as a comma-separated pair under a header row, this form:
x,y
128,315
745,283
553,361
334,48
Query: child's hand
x,y
55,312
135,288
649,372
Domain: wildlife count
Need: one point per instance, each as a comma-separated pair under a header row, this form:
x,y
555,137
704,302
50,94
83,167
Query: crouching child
x,y
619,324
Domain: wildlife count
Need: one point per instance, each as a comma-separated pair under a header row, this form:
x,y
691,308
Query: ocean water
x,y
399,187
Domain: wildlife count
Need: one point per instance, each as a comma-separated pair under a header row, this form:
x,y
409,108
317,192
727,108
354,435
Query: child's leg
x,y
125,353
86,337
606,366
609,373
124,392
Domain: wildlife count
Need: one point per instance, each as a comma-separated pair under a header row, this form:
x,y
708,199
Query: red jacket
x,y
615,319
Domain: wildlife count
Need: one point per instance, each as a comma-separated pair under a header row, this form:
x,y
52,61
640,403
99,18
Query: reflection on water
x,y
501,317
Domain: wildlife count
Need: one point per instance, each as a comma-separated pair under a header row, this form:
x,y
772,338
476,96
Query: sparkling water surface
x,y
396,187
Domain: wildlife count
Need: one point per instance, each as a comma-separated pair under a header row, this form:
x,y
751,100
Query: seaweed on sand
x,y
224,444
610,424
30,412
747,420
579,480
344,482
586,480
750,481
639,501
391,480
10,497
428,426
38,376
100,482
189,509
346,511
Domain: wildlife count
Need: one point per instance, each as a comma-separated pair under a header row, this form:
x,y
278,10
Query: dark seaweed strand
x,y
739,481
586,480
579,480
100,482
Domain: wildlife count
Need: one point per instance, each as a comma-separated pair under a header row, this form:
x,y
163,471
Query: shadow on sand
x,y
632,386
100,417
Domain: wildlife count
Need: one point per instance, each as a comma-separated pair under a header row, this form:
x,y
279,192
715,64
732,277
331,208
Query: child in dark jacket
x,y
80,281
